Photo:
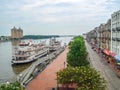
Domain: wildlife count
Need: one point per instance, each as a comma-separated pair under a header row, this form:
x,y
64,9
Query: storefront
x,y
117,61
106,55
109,56
112,59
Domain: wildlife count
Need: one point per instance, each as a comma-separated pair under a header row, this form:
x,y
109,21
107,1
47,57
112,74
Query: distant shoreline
x,y
6,39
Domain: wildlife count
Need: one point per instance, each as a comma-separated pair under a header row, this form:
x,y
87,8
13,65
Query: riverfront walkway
x,y
46,80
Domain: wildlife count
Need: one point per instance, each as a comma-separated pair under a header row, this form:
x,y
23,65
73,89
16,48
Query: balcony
x,y
114,39
113,29
118,39
118,28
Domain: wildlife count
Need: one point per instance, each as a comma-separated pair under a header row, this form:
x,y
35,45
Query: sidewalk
x,y
47,79
111,65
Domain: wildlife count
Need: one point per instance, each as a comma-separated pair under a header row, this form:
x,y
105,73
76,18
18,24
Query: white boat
x,y
24,44
54,44
29,53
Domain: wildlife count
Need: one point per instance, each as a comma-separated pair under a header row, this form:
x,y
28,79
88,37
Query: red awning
x,y
112,54
107,52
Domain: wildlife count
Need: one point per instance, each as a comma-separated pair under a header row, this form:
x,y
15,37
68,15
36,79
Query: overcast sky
x,y
61,17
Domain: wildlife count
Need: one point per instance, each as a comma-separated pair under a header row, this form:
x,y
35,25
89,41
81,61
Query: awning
x,y
117,58
107,52
112,54
118,63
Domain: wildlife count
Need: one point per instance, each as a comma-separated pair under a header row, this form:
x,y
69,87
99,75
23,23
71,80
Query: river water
x,y
8,71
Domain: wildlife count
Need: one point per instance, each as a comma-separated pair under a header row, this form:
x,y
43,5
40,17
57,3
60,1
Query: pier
x,y
46,80
36,67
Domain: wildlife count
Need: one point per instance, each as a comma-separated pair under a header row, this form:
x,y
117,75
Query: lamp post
x,y
20,77
7,82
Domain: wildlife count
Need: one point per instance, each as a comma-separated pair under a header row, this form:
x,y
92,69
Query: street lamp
x,y
20,77
7,82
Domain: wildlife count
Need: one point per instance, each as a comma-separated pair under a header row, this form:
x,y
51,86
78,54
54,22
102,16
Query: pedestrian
x,y
64,64
89,58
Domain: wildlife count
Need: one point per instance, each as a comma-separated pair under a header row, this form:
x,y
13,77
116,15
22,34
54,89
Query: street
x,y
113,82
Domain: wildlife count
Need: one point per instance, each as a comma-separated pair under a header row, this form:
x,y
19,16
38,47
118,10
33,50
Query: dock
x,y
37,67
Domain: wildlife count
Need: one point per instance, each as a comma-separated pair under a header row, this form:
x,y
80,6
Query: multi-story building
x,y
101,35
106,35
91,36
115,32
96,39
16,33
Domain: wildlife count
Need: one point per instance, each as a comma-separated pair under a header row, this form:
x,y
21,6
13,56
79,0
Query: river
x,y
8,71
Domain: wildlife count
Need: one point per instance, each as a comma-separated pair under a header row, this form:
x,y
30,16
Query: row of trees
x,y
79,72
39,36
77,55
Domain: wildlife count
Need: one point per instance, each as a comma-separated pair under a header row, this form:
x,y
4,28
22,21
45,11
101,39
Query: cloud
x,y
46,3
30,12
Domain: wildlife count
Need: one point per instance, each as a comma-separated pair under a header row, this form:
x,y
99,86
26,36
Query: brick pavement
x,y
47,79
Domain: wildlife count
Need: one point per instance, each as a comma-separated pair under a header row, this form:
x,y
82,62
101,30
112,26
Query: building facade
x,y
16,33
115,32
100,36
106,35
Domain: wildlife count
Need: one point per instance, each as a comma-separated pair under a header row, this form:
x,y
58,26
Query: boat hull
x,y
29,60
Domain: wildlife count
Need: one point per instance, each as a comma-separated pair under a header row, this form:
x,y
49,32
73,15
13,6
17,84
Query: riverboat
x,y
29,53
54,44
24,44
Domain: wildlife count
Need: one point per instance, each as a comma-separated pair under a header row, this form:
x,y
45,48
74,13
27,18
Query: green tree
x,y
11,86
84,77
77,55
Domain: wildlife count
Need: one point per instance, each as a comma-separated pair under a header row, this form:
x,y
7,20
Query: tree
x,y
77,55
11,86
84,77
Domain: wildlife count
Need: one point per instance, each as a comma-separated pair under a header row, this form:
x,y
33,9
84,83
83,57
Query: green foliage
x,y
11,86
79,72
39,36
70,43
84,77
77,55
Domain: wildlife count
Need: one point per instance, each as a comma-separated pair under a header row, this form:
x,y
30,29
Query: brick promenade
x,y
46,80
